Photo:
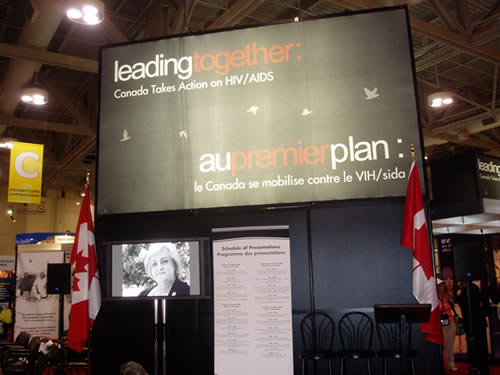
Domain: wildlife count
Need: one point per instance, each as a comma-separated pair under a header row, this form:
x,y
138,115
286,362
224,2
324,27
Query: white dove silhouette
x,y
253,109
183,134
371,94
306,112
125,136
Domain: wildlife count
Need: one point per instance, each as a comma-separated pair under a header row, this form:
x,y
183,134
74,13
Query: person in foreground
x,y
132,368
164,266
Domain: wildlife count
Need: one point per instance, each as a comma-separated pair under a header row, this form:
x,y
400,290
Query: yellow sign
x,y
25,175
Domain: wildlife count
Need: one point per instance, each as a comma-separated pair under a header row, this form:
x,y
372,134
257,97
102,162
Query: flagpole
x,y
89,341
426,346
407,223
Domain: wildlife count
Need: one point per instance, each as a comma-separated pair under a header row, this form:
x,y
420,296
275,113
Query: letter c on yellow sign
x,y
19,164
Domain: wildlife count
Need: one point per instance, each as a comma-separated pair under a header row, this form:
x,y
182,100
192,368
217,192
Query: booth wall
x,y
357,262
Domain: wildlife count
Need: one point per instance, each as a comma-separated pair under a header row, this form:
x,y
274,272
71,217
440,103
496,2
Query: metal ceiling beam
x,y
447,16
158,20
453,138
182,18
49,58
454,40
57,127
235,14
463,14
114,33
62,98
357,4
431,31
77,153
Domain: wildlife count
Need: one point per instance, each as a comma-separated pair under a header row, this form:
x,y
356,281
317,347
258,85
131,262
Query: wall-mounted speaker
x,y
58,278
469,261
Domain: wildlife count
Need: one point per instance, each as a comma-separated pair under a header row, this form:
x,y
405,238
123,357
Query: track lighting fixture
x,y
85,12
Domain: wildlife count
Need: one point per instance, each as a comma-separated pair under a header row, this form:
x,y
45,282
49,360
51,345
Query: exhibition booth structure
x,y
246,178
466,214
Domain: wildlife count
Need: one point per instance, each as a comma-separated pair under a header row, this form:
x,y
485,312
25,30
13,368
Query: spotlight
x,y
85,12
439,99
10,213
33,93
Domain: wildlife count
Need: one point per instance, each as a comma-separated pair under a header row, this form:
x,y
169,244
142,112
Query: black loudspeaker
x,y
58,278
469,261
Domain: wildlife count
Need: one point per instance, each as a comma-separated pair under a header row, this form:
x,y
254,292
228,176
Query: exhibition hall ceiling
x,y
456,47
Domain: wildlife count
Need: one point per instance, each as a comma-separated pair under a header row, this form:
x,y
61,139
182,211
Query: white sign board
x,y
36,311
252,306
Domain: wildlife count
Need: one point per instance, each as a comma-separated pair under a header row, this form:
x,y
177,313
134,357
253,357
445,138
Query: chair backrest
x,y
356,331
317,330
22,339
34,343
389,336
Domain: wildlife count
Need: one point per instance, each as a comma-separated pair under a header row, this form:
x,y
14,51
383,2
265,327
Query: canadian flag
x,y
86,294
415,237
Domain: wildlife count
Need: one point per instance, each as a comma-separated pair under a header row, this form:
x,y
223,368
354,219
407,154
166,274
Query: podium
x,y
404,314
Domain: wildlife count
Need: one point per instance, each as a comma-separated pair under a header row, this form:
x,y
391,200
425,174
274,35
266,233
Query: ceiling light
x,y
35,95
8,145
10,213
86,12
439,99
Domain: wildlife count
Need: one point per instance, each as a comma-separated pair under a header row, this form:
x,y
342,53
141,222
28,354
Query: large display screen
x,y
159,269
307,111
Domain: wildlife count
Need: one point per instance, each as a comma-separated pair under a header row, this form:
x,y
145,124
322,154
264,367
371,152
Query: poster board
x,y
36,311
252,305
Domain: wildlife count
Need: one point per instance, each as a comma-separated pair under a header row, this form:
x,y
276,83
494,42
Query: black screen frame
x,y
205,268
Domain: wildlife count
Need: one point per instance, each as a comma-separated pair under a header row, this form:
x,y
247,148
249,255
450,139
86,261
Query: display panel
x,y
308,111
164,268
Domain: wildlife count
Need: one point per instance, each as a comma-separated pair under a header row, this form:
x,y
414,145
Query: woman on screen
x,y
164,266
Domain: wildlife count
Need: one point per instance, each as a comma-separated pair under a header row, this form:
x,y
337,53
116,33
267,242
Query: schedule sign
x,y
307,111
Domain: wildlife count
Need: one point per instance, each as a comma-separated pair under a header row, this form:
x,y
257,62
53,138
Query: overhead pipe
x,y
37,32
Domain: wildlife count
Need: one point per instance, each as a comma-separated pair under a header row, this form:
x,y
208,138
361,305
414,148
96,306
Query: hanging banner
x,y
25,174
252,305
36,311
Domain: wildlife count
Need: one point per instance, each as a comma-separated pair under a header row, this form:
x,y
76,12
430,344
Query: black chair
x,y
21,342
317,330
390,344
21,361
356,335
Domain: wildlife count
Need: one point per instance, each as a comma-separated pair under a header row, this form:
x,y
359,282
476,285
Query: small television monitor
x,y
160,268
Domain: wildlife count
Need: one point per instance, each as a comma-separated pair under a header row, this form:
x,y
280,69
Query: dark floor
x,y
463,369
